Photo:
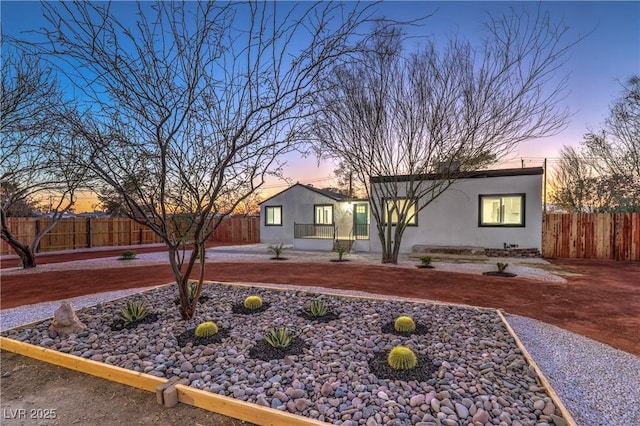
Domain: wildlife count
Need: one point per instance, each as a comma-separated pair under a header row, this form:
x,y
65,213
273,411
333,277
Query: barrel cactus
x,y
253,302
404,324
206,329
402,358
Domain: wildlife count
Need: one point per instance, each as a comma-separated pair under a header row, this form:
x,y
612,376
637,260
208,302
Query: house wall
x,y
298,207
452,219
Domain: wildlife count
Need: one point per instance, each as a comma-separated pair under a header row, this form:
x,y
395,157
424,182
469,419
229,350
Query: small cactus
x,y
402,358
317,308
133,312
128,255
404,324
253,302
279,338
501,266
206,329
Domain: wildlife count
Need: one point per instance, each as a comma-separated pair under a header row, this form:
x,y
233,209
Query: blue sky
x,y
608,55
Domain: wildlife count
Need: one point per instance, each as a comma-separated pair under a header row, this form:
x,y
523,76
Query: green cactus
x,y
279,338
133,312
253,302
128,255
206,329
402,358
317,308
502,266
404,324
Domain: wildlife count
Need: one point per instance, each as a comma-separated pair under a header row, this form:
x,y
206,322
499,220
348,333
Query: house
x,y
491,209
314,219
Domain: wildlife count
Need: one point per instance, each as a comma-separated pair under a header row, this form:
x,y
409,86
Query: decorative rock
x,y
325,390
416,400
481,416
461,411
65,320
539,404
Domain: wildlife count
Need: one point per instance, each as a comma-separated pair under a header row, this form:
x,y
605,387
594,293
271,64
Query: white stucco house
x,y
490,209
313,219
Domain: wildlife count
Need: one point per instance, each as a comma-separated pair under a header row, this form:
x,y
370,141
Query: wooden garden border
x,y
228,406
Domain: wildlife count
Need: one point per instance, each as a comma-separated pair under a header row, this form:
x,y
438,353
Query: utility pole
x,y
544,189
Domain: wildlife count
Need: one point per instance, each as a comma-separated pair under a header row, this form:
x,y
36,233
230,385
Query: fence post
x,y
90,232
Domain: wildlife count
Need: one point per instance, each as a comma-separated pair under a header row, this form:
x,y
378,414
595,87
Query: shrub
x,y
341,251
402,358
501,266
253,302
279,338
404,324
128,255
276,250
426,260
206,329
133,312
317,308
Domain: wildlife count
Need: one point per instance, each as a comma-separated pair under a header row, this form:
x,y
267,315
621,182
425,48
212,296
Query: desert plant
x,y
317,308
502,266
253,302
276,250
193,289
279,338
206,329
402,358
426,260
133,312
128,255
404,324
341,250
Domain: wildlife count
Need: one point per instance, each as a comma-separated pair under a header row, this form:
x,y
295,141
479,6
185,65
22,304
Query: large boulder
x,y
65,321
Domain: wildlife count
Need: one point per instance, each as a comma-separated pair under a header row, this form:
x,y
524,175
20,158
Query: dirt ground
x,y
58,396
600,300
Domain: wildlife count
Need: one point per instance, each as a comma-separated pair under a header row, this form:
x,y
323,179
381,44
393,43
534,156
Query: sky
x,y
607,56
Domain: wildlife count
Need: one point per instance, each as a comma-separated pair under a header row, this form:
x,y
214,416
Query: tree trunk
x,y
25,252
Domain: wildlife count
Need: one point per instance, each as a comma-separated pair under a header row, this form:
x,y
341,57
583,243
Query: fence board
x,y
79,233
613,236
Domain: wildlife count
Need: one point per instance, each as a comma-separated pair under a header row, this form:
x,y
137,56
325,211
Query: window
x,y
323,215
502,210
399,205
273,215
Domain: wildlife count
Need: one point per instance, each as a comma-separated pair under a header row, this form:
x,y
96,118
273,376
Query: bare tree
x,y
32,164
604,175
193,103
578,188
410,125
615,149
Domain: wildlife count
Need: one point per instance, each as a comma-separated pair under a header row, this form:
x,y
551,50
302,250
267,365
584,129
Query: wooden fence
x,y
613,236
241,229
80,233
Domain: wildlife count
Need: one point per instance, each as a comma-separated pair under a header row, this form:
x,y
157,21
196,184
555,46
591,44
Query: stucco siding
x,y
298,206
452,219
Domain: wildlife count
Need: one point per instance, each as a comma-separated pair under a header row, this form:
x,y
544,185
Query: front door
x,y
361,221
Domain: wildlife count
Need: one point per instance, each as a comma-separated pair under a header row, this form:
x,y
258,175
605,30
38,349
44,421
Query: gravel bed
x,y
599,385
480,373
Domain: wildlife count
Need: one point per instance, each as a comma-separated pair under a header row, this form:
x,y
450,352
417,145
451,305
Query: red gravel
x,y
601,299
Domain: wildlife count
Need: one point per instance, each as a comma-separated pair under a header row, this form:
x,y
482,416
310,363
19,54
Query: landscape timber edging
x,y
202,399
566,415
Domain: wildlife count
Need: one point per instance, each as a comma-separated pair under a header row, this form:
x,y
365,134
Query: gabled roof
x,y
526,171
336,196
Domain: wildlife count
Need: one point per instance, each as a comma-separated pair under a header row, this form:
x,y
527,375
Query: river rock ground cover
x,y
479,375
